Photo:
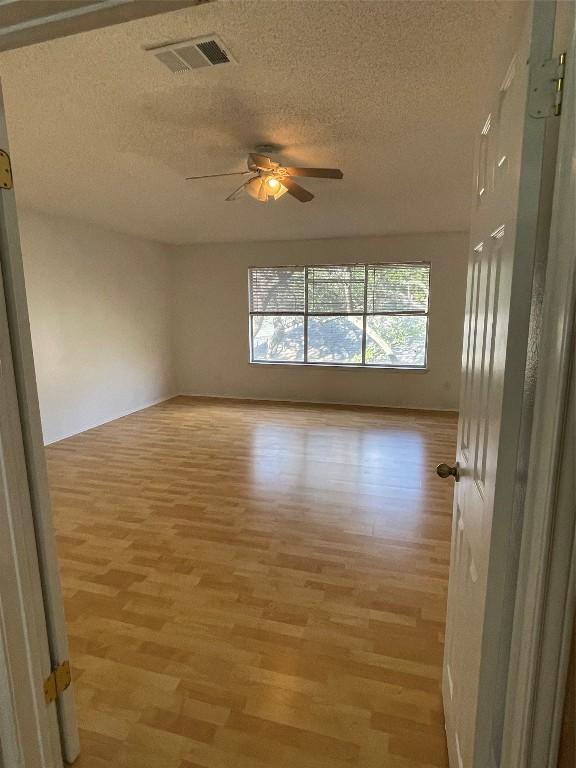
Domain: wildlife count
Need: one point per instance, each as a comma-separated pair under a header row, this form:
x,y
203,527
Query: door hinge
x,y
5,170
57,682
547,88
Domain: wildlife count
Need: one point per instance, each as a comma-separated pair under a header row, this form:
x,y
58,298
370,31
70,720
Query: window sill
x,y
343,366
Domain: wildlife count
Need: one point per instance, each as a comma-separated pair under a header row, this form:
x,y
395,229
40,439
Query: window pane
x,y
335,339
276,338
398,288
399,340
336,289
279,289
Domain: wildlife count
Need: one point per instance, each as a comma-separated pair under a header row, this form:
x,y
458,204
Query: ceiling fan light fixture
x,y
253,188
279,190
263,188
275,187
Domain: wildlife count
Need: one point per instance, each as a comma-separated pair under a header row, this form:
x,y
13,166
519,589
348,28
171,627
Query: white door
x,y
508,219
33,733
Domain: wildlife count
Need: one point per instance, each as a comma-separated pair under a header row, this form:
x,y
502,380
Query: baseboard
x,y
336,404
114,418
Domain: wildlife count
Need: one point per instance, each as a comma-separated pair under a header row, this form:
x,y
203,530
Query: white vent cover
x,y
192,54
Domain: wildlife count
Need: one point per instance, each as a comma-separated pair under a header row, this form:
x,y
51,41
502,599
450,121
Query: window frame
x,y
364,315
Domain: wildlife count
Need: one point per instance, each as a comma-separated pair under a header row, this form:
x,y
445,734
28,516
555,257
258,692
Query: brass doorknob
x,y
445,470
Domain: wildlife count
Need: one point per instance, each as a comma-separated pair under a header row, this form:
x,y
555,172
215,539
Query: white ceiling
x,y
388,91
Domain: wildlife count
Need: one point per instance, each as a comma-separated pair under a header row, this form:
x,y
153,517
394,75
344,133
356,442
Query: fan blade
x,y
297,191
214,175
237,192
259,162
319,173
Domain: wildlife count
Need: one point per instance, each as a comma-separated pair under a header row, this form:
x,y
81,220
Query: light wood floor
x,y
256,585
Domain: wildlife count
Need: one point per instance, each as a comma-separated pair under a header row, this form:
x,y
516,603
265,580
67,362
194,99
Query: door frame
x,y
29,729
95,14
545,595
14,296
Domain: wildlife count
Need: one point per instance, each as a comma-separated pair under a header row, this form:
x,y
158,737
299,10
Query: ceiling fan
x,y
270,180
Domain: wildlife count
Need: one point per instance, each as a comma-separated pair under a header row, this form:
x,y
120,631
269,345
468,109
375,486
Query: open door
x,y
509,232
37,727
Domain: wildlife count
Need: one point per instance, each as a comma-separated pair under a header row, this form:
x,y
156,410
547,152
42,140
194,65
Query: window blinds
x,y
356,289
278,289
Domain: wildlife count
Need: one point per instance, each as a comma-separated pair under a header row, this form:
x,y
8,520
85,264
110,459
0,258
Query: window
x,y
374,315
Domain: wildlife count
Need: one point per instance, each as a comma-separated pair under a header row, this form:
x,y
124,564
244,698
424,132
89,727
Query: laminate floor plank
x,y
256,585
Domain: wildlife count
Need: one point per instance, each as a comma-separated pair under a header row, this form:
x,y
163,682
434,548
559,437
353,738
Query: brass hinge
x,y
559,89
547,88
5,170
57,682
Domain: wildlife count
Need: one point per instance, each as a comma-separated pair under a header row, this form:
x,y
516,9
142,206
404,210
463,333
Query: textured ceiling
x,y
387,91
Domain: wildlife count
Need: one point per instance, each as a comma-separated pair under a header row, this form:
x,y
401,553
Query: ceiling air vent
x,y
192,54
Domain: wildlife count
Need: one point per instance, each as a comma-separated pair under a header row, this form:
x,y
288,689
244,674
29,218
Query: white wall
x,y
100,315
212,323
120,323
